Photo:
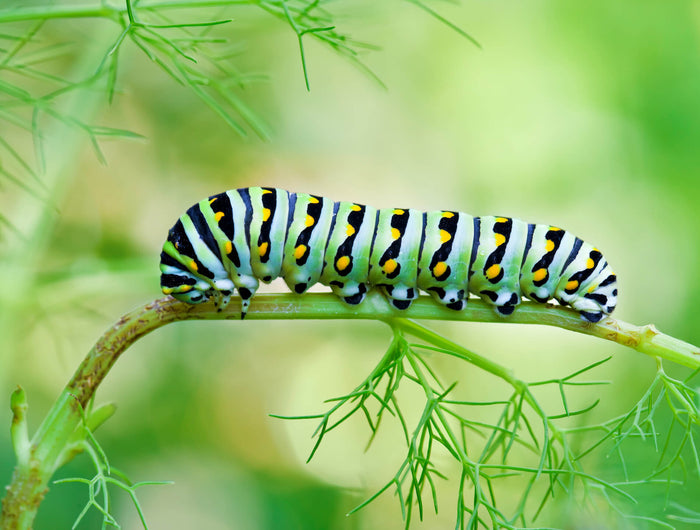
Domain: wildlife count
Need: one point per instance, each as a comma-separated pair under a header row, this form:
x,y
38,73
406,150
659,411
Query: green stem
x,y
52,439
45,12
423,333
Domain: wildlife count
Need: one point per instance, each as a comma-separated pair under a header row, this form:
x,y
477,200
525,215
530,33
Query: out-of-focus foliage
x,y
585,115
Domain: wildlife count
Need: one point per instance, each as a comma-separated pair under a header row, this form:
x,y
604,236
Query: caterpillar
x,y
239,237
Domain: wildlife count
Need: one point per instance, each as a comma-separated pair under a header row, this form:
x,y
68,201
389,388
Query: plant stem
x,y
102,10
46,12
46,453
438,340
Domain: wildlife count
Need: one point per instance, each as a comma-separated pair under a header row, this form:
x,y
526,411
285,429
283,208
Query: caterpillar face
x,y
235,239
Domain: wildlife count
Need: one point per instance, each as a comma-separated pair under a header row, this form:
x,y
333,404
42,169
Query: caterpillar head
x,y
187,288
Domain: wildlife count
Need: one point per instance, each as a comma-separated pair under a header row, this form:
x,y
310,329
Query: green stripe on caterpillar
x,y
234,240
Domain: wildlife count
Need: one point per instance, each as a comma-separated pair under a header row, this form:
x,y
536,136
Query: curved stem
x,y
47,450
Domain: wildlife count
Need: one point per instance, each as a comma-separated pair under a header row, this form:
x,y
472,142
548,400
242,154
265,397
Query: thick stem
x,y
31,477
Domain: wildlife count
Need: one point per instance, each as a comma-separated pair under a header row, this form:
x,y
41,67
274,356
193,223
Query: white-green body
x,y
233,240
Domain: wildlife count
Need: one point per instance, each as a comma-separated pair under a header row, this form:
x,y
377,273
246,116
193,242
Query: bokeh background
x,y
585,115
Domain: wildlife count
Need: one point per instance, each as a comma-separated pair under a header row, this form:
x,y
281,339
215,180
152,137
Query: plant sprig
x,y
176,36
448,424
521,437
99,497
669,401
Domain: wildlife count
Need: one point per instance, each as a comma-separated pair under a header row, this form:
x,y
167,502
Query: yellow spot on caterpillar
x,y
262,249
184,288
399,211
448,215
493,271
501,219
265,192
228,247
592,288
299,251
500,239
218,216
167,290
555,228
349,230
313,200
444,236
193,265
390,266
539,275
571,285
355,207
395,233
211,201
309,221
342,263
590,263
266,214
549,245
439,269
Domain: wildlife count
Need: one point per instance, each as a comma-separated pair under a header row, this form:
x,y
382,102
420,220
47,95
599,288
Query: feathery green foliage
x,y
181,38
551,448
487,452
105,475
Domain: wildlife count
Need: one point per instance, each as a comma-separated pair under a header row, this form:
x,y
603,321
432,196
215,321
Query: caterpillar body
x,y
239,237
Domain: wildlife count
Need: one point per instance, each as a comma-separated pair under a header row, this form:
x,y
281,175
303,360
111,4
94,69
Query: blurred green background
x,y
584,115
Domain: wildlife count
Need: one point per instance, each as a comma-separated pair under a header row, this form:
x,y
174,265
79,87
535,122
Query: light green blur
x,y
581,115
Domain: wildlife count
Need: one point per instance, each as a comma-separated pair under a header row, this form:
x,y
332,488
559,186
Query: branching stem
x,y
53,438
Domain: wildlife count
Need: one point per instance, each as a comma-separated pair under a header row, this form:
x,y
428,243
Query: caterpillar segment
x,y
234,240
443,270
496,269
308,227
395,253
347,251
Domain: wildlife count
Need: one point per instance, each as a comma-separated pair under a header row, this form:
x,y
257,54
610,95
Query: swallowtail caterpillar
x,y
234,240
